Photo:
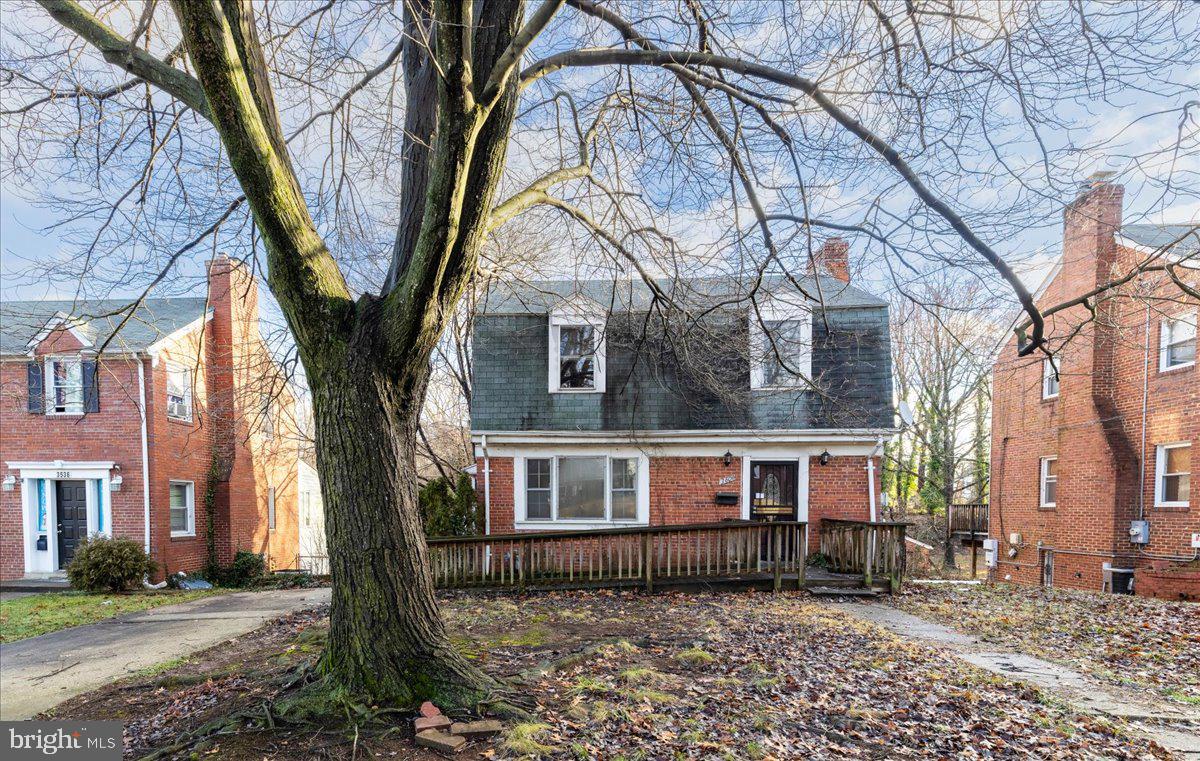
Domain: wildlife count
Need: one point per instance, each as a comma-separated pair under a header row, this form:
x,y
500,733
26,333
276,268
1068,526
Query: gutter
x,y
145,450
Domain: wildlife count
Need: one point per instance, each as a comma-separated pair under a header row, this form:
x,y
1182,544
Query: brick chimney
x,y
833,259
1090,224
233,299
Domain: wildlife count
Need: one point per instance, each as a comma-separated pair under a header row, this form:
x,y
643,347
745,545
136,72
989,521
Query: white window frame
x,y
174,369
49,387
777,309
1050,379
1165,330
1160,474
574,319
190,493
1044,478
521,520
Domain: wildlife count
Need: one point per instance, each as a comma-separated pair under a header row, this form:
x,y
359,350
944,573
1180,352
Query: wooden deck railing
x,y
872,549
969,519
622,557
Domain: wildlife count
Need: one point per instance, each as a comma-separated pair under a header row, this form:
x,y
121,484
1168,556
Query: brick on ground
x,y
440,741
485,728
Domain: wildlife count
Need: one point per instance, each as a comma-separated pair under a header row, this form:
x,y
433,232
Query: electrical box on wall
x,y
991,550
1196,541
1139,532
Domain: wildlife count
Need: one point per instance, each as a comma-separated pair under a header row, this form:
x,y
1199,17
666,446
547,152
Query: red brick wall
x,y
500,492
1094,426
231,367
113,433
683,489
838,490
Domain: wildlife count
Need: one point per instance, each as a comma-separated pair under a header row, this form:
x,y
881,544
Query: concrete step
x,y
842,592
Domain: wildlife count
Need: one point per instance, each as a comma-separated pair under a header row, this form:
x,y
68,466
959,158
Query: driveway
x,y
40,672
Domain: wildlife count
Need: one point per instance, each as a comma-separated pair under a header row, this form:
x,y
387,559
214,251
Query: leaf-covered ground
x,y
761,676
1126,641
623,675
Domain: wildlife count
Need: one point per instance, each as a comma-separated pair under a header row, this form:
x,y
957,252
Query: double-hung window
x,y
1049,379
591,489
183,508
1174,468
1177,343
576,355
179,393
271,509
1048,482
64,386
780,345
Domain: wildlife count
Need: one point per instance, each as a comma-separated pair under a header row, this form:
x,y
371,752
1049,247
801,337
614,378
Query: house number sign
x,y
724,480
62,474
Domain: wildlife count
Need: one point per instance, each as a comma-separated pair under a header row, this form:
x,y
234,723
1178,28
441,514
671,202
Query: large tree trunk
x,y
387,639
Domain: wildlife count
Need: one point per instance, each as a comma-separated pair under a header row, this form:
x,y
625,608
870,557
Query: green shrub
x,y
446,511
246,569
103,564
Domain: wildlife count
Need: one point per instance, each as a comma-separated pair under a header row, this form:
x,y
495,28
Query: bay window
x,y
587,489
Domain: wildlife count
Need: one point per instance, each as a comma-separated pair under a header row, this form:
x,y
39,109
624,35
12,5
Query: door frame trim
x,y
779,454
46,562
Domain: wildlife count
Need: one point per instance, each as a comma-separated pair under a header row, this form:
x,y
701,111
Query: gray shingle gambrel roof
x,y
542,296
1186,237
21,321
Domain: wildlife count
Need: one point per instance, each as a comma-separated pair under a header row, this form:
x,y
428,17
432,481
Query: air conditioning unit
x,y
1139,532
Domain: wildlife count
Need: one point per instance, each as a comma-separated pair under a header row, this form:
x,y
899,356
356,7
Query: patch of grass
x,y
639,675
535,636
33,615
163,667
695,656
522,739
754,750
1183,697
590,684
625,646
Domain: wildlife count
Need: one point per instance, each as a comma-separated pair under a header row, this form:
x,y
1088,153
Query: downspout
x,y
871,476
487,487
1145,404
145,449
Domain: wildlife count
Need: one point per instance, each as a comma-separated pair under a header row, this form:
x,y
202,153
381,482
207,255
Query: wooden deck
x,y
737,554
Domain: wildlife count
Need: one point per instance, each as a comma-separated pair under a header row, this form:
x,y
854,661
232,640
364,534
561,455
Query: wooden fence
x,y
861,547
969,519
623,557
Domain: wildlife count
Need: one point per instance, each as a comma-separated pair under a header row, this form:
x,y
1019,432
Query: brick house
x,y
1084,452
80,458
593,408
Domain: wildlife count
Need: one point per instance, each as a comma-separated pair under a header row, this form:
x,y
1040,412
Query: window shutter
x,y
91,389
37,392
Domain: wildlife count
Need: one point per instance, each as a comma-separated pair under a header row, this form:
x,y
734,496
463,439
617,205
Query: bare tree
x,y
154,128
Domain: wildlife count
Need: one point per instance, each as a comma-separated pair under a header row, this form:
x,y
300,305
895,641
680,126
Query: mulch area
x,y
1126,641
614,675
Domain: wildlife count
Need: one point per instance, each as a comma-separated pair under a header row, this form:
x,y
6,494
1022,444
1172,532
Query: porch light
x,y
114,483
10,482
728,458
825,457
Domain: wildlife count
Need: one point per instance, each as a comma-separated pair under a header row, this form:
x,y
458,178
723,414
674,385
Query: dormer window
x,y
64,386
576,354
781,341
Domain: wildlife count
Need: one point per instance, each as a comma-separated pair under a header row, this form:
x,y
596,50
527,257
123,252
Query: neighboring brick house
x,y
1080,457
79,458
593,407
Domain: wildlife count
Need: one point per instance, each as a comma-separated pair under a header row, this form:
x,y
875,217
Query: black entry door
x,y
773,491
72,518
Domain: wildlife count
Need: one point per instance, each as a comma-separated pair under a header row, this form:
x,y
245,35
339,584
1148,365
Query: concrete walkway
x,y
1175,727
41,672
